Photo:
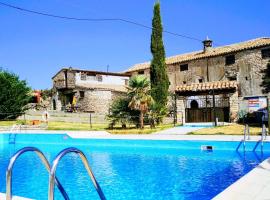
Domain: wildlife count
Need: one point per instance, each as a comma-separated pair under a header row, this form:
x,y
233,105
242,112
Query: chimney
x,y
207,44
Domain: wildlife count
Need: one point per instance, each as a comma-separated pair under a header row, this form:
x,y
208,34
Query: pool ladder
x,y
52,171
12,136
247,137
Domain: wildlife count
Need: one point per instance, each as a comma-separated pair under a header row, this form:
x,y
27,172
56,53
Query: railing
x,y
86,165
263,135
246,135
12,135
44,161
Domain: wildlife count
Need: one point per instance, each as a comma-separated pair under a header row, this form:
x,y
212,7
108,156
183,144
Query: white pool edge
x,y
3,197
153,136
255,185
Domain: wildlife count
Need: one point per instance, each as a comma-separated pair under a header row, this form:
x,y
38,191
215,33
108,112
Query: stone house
x,y
87,91
214,82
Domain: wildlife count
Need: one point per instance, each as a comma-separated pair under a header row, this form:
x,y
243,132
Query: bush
x,y
14,95
121,113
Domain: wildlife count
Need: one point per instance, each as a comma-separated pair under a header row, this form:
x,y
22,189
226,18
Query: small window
x,y
200,80
99,78
233,78
126,81
246,78
184,82
141,72
229,60
81,94
183,67
83,77
266,53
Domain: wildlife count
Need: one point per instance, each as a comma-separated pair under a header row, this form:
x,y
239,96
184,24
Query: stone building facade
x,y
223,76
87,91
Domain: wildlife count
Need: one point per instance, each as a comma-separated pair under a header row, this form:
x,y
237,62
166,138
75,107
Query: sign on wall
x,y
256,103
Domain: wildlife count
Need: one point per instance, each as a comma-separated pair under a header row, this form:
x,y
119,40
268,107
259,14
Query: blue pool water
x,y
130,169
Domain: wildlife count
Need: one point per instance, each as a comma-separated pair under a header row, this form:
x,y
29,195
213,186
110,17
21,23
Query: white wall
x,y
106,79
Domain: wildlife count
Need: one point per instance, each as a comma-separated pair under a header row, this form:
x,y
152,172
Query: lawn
x,y
134,130
72,126
234,129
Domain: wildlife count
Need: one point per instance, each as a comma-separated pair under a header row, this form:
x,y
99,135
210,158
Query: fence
x,y
59,120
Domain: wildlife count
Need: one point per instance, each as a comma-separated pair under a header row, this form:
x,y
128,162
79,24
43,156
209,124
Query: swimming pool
x,y
130,169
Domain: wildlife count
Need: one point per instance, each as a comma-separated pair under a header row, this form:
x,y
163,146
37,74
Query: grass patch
x,y
234,129
134,130
73,126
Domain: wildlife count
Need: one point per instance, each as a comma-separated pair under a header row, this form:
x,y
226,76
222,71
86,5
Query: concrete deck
x,y
3,197
154,136
179,130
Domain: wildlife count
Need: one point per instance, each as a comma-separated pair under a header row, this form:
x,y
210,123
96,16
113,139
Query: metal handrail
x,y
86,165
44,161
263,135
246,135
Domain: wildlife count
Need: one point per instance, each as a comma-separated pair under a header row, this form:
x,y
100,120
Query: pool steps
x,y
12,136
52,170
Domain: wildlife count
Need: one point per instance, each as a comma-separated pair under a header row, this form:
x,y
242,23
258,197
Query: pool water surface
x,y
129,169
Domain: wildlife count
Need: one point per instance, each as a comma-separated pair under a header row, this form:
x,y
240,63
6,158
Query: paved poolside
x,y
178,130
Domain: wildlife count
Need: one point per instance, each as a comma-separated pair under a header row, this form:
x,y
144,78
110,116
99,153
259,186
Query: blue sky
x,y
36,47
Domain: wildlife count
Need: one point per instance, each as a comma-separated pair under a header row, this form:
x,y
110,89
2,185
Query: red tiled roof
x,y
217,85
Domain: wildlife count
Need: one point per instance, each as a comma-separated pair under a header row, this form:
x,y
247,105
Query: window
x,y
81,94
184,82
229,60
141,72
200,80
232,78
126,81
266,53
83,77
183,67
99,78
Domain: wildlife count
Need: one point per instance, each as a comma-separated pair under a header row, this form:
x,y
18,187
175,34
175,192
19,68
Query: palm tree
x,y
139,93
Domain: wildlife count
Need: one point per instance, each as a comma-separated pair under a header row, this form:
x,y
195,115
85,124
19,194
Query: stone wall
x,y
180,110
97,100
246,70
60,82
234,106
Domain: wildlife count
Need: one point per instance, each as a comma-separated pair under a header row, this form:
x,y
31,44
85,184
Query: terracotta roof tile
x,y
255,43
217,85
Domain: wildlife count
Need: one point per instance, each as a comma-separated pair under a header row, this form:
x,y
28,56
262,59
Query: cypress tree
x,y
158,72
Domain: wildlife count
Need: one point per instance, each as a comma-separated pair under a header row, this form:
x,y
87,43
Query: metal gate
x,y
203,109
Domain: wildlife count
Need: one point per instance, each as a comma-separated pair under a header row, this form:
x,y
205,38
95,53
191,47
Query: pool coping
x,y
153,136
3,197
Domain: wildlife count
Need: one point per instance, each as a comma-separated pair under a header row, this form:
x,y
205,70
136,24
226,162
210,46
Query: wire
x,y
95,19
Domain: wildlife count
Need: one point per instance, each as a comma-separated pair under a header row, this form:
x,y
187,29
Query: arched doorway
x,y
194,104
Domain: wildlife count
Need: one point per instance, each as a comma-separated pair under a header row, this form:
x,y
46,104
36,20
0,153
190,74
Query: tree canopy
x,y
14,95
140,97
158,72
